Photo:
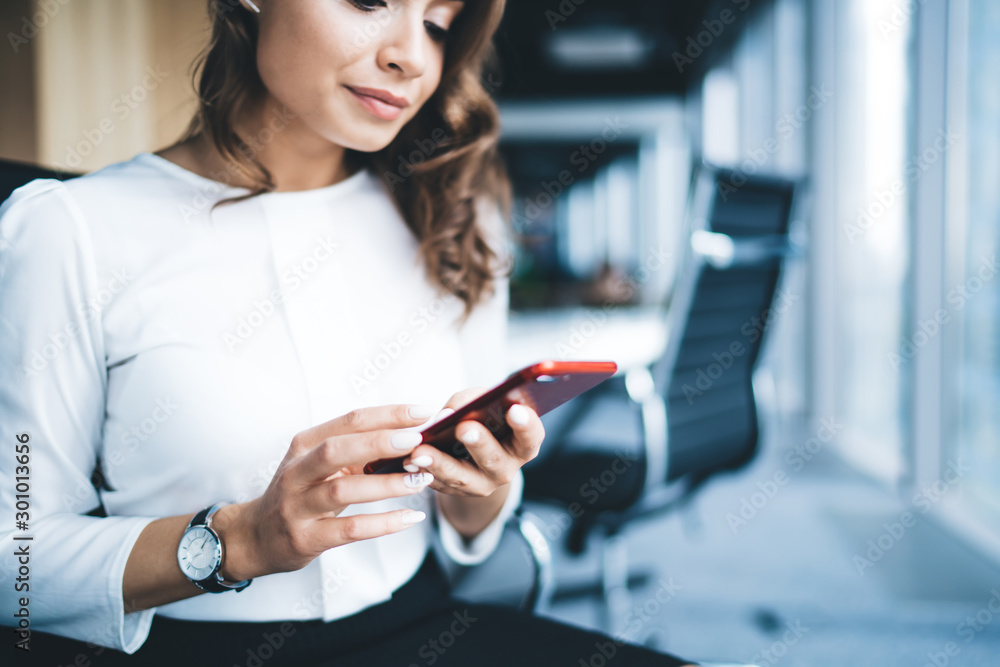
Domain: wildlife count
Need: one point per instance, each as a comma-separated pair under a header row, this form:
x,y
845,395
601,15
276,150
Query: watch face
x,y
199,553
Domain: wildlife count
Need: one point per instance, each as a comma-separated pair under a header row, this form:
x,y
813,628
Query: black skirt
x,y
421,626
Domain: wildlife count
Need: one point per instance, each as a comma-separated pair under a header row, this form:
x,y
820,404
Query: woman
x,y
325,240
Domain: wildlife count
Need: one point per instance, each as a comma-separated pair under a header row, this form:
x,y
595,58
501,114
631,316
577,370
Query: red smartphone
x,y
542,387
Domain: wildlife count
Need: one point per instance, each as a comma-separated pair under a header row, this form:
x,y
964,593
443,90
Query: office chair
x,y
15,174
643,442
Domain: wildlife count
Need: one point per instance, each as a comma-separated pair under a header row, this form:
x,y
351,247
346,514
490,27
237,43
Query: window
x,y
860,232
972,232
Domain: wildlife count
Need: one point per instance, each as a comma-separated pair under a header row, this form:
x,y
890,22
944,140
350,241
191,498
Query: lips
x,y
376,106
382,95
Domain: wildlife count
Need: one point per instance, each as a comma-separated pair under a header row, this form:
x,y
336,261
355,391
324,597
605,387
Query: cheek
x,y
299,56
430,85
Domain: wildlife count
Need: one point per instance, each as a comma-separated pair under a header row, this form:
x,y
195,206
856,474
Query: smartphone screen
x,y
542,387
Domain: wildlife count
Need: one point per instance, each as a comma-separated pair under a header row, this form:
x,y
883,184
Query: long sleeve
x,y
484,349
53,388
485,543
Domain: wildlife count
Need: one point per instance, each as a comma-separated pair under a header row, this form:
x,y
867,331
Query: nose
x,y
404,48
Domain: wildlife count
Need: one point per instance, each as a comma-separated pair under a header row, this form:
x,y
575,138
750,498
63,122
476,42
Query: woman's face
x,y
312,53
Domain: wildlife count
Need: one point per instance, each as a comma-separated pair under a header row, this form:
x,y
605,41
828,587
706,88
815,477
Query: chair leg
x,y
614,571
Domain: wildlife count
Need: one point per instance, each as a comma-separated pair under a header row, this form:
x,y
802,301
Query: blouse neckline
x,y
349,184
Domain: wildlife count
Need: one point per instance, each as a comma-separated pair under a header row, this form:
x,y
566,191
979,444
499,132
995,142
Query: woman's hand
x,y
495,463
296,518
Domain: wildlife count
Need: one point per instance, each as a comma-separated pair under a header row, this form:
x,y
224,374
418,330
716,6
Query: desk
x,y
633,336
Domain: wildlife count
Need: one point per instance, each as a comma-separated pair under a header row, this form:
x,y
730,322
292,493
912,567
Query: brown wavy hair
x,y
442,162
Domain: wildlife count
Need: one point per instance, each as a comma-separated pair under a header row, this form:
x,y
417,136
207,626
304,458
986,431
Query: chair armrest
x,y
541,591
723,251
642,391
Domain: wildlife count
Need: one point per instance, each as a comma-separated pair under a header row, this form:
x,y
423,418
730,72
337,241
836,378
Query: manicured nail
x,y
421,461
409,467
518,414
444,413
471,436
413,517
418,479
421,411
406,439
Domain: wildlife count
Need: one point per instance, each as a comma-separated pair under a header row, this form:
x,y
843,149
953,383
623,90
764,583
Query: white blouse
x,y
183,349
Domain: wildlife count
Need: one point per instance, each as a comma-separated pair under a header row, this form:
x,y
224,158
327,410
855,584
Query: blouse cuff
x,y
479,548
107,624
134,627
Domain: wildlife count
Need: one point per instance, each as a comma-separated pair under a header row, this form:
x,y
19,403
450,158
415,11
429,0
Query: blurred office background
x,y
879,385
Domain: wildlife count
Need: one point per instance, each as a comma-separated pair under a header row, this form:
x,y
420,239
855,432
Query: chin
x,y
369,144
367,147
339,129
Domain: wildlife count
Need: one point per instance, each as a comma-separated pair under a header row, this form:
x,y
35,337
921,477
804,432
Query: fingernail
x,y
471,436
409,467
418,479
444,413
421,461
413,517
518,414
421,411
406,439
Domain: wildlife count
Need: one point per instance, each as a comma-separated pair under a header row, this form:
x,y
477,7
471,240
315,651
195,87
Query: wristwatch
x,y
200,554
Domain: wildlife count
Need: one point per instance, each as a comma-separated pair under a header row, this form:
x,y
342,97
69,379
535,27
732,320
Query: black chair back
x,y
721,306
693,414
15,174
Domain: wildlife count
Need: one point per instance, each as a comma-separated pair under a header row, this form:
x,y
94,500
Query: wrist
x,y
469,515
237,536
